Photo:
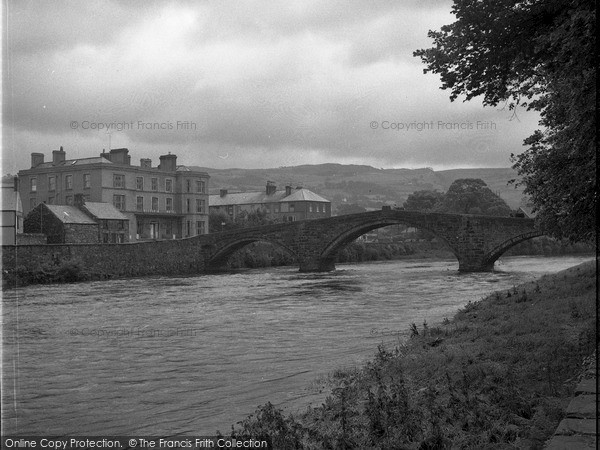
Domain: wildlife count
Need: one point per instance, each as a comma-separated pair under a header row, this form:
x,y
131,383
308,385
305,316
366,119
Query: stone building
x,y
113,226
163,202
286,205
62,224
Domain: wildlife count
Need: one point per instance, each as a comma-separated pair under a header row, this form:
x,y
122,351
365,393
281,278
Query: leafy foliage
x,y
423,200
221,221
464,196
539,54
493,377
472,196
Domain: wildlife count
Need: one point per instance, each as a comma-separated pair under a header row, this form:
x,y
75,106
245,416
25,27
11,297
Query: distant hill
x,y
364,185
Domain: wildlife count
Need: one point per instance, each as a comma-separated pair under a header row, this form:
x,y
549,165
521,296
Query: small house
x,y
113,226
62,224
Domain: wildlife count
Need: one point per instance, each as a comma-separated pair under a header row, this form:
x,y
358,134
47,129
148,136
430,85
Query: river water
x,y
190,355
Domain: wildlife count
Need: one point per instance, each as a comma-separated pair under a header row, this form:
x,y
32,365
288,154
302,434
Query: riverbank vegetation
x,y
61,271
497,375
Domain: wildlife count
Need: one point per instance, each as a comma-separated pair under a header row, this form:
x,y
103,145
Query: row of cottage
x,y
107,199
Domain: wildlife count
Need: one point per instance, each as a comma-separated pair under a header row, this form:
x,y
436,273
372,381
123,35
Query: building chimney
x,y
168,163
58,156
146,163
37,159
223,193
119,156
79,200
271,188
16,183
288,190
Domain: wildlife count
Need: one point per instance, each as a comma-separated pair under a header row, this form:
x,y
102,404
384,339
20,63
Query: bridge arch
x,y
349,235
222,255
493,255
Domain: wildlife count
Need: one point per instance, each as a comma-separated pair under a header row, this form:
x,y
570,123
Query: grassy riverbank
x,y
498,375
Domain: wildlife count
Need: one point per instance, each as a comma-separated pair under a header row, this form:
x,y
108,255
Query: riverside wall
x,y
107,260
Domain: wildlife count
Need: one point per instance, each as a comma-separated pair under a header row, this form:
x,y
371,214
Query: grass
x,y
497,375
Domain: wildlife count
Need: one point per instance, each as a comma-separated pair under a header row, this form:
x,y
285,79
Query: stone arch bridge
x,y
476,241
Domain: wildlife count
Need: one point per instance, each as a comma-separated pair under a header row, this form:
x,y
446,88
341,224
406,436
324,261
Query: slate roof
x,y
69,214
104,211
246,198
74,162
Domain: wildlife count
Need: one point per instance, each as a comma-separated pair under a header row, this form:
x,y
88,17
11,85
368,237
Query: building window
x,y
32,203
310,207
68,181
230,210
188,207
51,200
33,184
200,227
276,208
169,185
292,207
139,183
69,200
200,205
200,186
154,182
139,203
119,202
189,228
51,183
118,181
169,204
154,203
87,181
188,186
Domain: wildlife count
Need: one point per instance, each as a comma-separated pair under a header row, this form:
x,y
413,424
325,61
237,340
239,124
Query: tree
x,y
253,218
219,221
539,54
423,200
472,196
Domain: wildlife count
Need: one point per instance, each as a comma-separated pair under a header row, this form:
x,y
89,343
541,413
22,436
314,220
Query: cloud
x,y
252,85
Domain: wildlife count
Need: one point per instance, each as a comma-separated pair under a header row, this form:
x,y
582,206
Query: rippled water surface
x,y
196,354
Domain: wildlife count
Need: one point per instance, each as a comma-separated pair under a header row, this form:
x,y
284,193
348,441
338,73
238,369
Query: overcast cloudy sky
x,y
240,84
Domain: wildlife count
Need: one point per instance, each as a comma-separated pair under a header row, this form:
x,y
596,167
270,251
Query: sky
x,y
247,84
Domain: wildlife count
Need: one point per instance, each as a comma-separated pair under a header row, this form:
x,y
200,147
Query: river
x,y
190,355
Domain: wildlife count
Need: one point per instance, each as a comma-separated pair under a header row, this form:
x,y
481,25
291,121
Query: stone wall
x,y
475,240
99,261
77,233
31,239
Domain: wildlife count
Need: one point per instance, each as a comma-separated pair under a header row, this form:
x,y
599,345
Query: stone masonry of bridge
x,y
476,241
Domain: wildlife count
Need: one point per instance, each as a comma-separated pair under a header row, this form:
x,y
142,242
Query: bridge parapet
x,y
476,241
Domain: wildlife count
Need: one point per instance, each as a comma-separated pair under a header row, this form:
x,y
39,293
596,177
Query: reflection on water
x,y
195,354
